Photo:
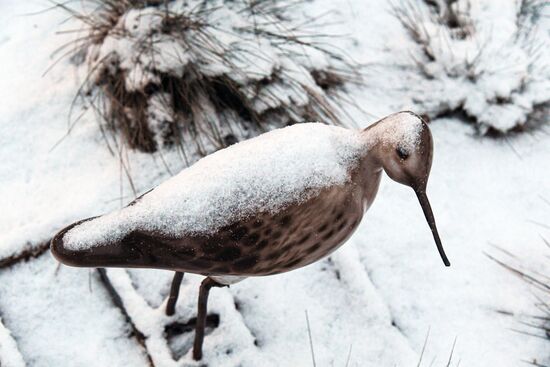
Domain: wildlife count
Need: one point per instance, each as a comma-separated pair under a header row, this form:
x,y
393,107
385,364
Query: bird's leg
x,y
174,293
201,315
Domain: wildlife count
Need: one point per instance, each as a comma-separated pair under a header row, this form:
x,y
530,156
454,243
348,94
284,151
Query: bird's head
x,y
403,146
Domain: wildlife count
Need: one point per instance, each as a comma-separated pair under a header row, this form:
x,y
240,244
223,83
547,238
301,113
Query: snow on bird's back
x,y
260,175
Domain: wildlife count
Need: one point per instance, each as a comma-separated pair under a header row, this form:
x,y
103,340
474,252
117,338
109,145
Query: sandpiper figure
x,y
268,205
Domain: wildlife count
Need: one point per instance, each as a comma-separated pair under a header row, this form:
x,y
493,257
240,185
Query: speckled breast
x,y
271,244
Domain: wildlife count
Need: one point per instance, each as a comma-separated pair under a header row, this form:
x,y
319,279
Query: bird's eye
x,y
402,153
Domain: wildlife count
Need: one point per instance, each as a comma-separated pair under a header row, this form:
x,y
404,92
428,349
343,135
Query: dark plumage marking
x,y
257,223
276,235
322,228
238,233
342,225
134,238
211,246
228,254
293,263
285,221
251,239
222,269
279,254
314,247
288,246
185,252
266,269
200,264
134,252
263,243
268,231
328,235
273,255
340,215
281,264
304,238
245,263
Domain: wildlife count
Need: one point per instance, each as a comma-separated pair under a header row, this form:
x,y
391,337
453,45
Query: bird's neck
x,y
374,135
370,169
371,174
376,139
372,139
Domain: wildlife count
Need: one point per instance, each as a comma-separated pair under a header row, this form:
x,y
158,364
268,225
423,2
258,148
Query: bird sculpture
x,y
268,205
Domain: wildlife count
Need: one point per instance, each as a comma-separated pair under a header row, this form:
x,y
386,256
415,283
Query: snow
x,y
258,338
9,354
399,129
48,312
378,295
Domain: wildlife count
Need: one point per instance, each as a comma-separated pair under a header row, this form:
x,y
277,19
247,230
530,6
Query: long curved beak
x,y
426,207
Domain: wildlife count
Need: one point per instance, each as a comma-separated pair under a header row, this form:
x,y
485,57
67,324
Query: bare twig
x,y
31,252
451,355
348,359
117,301
423,349
310,341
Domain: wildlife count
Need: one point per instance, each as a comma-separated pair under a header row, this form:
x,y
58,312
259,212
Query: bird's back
x,y
267,243
261,176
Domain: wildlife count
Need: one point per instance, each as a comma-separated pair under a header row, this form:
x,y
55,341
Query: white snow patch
x,y
151,322
9,354
63,317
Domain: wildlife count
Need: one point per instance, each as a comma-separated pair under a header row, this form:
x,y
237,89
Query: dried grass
x,y
538,325
202,93
454,20
529,12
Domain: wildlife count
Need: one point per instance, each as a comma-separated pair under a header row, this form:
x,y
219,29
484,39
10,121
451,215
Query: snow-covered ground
x,y
374,301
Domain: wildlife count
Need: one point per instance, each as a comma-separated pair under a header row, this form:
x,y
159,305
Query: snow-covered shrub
x,y
201,74
486,59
